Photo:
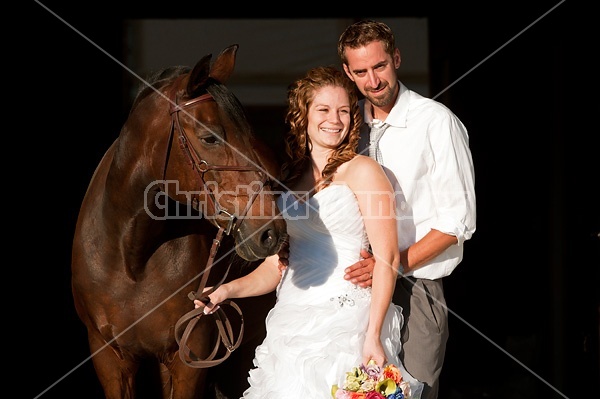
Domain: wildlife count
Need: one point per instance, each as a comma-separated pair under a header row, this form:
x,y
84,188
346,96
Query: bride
x,y
336,203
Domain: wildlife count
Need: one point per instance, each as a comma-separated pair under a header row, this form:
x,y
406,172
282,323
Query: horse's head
x,y
227,174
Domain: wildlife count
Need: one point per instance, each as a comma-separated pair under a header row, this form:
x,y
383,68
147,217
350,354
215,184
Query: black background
x,y
524,302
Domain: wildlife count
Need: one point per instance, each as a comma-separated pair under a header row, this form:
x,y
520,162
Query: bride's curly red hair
x,y
297,143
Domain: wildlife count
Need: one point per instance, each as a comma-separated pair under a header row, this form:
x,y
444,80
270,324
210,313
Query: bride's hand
x,y
215,299
373,350
209,308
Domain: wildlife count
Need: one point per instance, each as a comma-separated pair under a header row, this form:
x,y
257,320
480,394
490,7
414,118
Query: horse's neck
x,y
128,208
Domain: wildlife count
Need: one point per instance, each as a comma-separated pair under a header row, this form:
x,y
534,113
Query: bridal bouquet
x,y
373,382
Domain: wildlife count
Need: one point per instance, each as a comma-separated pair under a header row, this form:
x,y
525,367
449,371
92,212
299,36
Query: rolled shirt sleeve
x,y
426,155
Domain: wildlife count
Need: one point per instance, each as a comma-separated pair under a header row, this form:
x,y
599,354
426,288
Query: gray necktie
x,y
374,136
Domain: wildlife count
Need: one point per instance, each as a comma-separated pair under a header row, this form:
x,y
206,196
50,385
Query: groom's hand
x,y
361,273
284,254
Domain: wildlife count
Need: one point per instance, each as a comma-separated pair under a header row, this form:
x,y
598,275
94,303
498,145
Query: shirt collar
x,y
398,115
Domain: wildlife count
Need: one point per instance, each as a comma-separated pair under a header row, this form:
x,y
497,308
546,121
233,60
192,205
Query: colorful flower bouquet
x,y
372,382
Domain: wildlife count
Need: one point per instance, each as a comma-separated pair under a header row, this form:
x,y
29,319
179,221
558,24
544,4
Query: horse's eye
x,y
211,135
210,139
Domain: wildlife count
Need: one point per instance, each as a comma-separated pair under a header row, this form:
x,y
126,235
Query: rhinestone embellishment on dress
x,y
349,298
343,300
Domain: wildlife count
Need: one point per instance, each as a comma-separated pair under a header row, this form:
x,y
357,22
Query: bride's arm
x,y
377,204
262,280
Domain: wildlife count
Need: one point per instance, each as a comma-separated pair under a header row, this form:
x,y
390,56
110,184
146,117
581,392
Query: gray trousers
x,y
425,330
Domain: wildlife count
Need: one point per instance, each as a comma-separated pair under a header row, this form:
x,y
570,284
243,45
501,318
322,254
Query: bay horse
x,y
185,173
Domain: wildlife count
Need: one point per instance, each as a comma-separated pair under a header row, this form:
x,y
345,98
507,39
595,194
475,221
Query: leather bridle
x,y
201,166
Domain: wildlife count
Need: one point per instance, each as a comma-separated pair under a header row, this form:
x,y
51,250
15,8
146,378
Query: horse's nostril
x,y
269,238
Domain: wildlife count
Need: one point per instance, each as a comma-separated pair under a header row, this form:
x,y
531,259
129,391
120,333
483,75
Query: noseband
x,y
201,166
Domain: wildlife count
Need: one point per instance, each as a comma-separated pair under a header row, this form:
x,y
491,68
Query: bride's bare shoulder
x,y
359,167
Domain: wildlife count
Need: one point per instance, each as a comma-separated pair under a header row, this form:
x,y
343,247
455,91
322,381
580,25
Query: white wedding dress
x,y
316,330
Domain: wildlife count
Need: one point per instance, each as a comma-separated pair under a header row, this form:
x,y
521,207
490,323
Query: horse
x,y
185,176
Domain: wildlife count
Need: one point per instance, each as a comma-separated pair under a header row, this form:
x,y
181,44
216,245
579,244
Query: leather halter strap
x,y
186,323
200,165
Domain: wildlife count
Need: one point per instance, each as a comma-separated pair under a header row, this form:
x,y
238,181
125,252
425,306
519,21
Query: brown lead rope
x,y
190,319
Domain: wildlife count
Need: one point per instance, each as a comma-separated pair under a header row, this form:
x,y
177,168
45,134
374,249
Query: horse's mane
x,y
156,80
230,102
222,95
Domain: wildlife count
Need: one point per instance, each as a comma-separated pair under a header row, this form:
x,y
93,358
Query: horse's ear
x,y
199,74
222,68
